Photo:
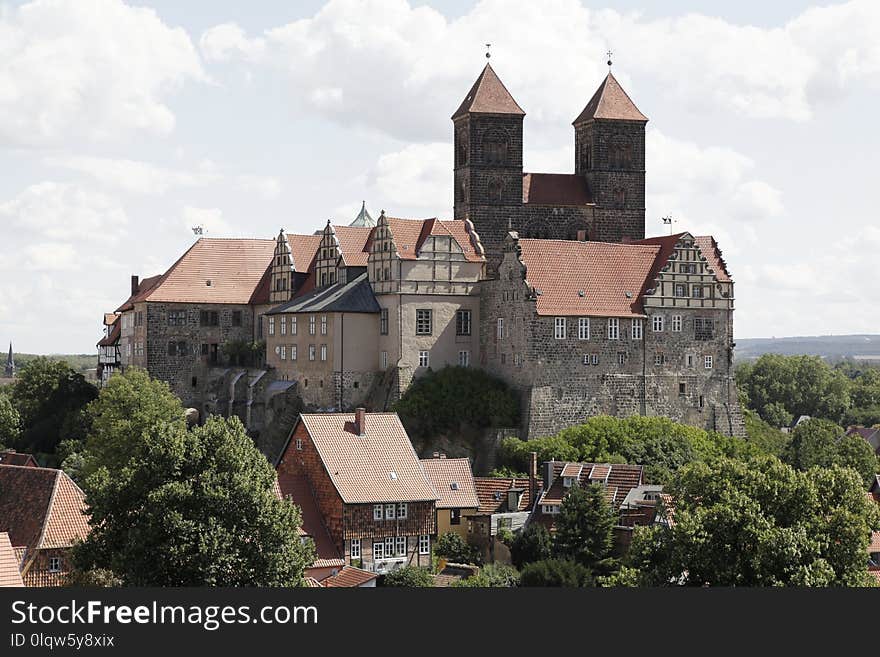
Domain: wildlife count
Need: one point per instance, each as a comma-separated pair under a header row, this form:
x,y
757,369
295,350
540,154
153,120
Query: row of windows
x,y
294,352
294,325
703,327
392,546
425,321
696,291
390,511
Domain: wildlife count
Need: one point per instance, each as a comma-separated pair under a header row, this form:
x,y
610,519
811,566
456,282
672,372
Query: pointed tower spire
x,y
610,102
10,363
488,95
363,219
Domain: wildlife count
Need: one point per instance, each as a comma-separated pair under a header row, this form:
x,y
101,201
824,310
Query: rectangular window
x,y
681,290
424,359
424,544
583,328
687,268
209,318
55,564
378,550
703,328
689,359
594,359
559,328
312,352
464,358
293,352
383,321
401,509
400,546
657,323
621,358
299,444
311,324
293,325
463,322
389,511
236,318
283,352
637,329
707,362
676,323
355,550
383,360
323,352
423,322
323,324
389,546
177,318
377,512
271,326
614,329
697,291
499,328
659,359
283,325
682,389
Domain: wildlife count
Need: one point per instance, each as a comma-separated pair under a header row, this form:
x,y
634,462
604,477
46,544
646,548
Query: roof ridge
x,y
48,511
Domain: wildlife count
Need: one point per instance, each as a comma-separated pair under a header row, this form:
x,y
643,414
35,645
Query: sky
x,y
123,125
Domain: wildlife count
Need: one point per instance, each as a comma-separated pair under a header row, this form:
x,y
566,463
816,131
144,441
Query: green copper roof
x,y
363,218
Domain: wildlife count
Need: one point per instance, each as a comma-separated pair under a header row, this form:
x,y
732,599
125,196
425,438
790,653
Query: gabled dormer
x,y
282,271
327,258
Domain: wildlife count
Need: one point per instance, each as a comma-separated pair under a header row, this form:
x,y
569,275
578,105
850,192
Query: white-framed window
x,y
463,322
708,362
299,444
377,512
464,358
613,328
621,358
637,329
583,328
293,352
676,323
283,351
323,352
293,325
383,360
378,550
559,328
689,360
499,328
311,324
312,352
271,326
355,549
283,325
389,511
424,544
54,564
657,323
389,546
401,509
400,546
594,359
424,359
423,321
697,291
323,324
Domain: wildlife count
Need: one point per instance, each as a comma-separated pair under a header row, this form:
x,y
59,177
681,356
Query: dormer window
x,y
568,481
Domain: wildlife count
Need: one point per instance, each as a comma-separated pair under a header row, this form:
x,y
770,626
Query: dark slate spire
x,y
10,363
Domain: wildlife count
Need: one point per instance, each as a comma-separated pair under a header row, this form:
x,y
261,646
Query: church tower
x,y
10,364
609,137
281,281
488,131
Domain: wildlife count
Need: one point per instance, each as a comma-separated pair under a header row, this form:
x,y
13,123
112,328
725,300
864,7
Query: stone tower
x,y
10,363
609,137
282,280
488,132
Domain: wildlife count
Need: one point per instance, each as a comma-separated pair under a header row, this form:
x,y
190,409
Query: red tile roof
x,y
488,95
610,276
610,102
354,244
110,319
303,249
144,287
41,508
410,234
874,546
10,566
618,479
466,236
875,573
113,337
296,489
348,577
555,189
492,493
454,482
11,457
379,466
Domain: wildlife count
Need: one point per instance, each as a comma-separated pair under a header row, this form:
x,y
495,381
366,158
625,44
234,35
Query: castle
x,y
543,279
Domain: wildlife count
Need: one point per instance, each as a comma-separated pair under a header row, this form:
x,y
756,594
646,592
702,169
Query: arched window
x,y
493,190
619,197
495,147
461,147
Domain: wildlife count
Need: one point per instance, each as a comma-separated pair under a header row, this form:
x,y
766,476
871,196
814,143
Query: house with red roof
x,y
454,482
366,499
43,512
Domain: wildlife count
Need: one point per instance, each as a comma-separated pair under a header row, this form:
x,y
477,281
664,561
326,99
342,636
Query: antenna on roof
x,y
668,221
609,53
488,54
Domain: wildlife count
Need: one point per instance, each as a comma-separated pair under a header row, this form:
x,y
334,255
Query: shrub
x,y
452,547
556,572
531,544
494,575
409,576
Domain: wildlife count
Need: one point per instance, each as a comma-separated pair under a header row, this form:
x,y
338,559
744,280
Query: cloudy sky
x,y
122,125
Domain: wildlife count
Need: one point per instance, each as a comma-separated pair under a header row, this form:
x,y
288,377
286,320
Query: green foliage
x,y
192,508
98,577
10,422
494,575
625,577
129,406
556,572
452,547
764,437
760,523
451,398
506,472
78,362
531,544
822,443
409,576
584,527
244,352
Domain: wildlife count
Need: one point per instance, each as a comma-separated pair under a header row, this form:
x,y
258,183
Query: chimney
x,y
548,474
135,282
582,236
533,476
360,420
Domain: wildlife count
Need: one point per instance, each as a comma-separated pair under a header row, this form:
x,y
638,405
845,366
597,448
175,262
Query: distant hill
x,y
831,347
79,362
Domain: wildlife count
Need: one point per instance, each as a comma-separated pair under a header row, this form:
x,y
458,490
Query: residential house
x,y
870,435
11,457
371,491
10,567
454,483
44,513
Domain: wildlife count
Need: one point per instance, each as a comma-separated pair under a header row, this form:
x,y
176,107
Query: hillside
x,y
79,362
831,347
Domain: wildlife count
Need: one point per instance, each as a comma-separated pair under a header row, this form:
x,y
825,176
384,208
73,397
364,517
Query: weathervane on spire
x,y
488,54
668,221
609,53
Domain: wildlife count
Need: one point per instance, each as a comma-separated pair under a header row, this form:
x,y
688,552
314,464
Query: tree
x,y
584,527
531,544
766,438
760,523
822,443
452,547
129,405
409,576
556,572
10,422
493,575
192,508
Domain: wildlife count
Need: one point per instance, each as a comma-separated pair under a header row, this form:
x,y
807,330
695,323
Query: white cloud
x,y
52,256
134,176
376,63
89,69
416,179
209,219
267,187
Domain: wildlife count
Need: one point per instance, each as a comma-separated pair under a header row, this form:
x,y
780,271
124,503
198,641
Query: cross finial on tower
x,y
488,54
609,53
